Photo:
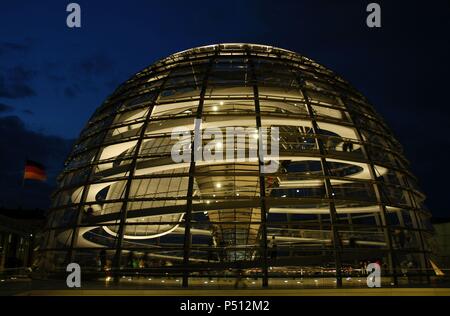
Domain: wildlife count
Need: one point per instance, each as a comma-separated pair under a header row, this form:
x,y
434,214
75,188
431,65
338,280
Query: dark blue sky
x,y
52,78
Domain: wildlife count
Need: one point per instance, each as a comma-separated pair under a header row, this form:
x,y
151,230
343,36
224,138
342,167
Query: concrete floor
x,y
246,292
137,286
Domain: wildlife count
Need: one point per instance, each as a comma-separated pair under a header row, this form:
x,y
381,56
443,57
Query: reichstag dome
x,y
340,194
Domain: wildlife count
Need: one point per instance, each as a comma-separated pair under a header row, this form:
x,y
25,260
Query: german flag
x,y
34,171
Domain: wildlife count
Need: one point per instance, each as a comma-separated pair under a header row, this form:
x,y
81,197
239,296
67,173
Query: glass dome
x,y
340,196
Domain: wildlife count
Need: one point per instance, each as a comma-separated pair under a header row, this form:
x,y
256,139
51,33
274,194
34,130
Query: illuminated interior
x,y
342,193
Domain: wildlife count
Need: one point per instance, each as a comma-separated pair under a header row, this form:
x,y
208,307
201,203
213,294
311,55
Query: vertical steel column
x,y
418,223
377,189
337,247
132,169
190,191
262,184
86,187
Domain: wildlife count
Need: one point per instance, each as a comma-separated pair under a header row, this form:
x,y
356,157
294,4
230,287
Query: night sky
x,y
52,77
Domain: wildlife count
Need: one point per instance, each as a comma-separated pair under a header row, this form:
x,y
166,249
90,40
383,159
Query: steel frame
x,y
394,195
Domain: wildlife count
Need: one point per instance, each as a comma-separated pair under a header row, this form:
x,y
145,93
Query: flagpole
x,y
23,185
23,174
